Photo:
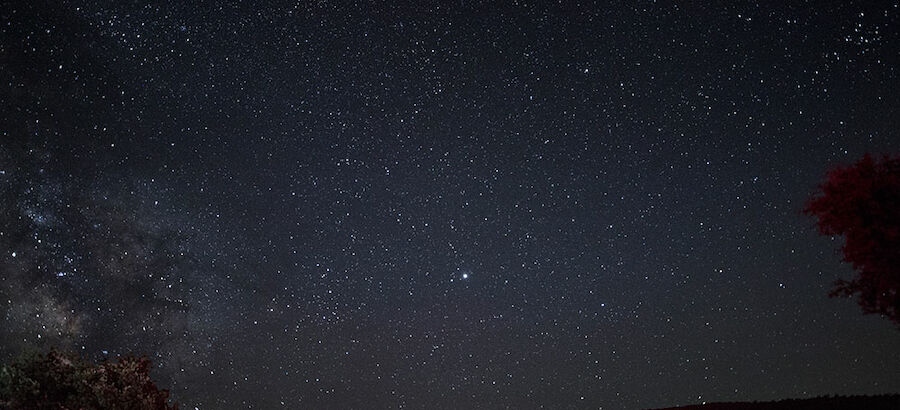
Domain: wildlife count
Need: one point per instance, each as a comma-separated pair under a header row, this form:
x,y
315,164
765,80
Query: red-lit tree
x,y
63,381
862,203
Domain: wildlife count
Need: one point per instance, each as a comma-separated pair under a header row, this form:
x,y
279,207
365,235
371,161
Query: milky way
x,y
443,204
88,266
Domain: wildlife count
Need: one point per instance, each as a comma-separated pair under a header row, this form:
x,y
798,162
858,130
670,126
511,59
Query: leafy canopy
x,y
63,381
862,203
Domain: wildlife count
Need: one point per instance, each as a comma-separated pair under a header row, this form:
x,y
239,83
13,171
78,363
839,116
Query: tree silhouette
x,y
63,381
862,203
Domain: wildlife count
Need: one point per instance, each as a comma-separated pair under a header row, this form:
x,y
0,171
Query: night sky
x,y
425,204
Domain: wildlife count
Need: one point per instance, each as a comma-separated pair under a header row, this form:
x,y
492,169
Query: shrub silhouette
x,y
62,381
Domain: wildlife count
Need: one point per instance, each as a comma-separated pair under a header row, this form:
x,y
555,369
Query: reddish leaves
x,y
862,202
59,381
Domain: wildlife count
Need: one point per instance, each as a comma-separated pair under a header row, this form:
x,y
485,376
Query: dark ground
x,y
886,402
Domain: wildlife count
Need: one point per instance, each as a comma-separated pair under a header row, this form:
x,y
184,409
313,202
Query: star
x,y
301,196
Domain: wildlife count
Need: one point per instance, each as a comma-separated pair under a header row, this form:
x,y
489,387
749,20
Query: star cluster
x,y
442,204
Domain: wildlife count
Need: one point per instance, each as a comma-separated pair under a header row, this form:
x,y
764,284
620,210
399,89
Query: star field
x,y
464,204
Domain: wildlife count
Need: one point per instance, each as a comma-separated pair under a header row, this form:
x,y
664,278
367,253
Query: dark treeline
x,y
881,402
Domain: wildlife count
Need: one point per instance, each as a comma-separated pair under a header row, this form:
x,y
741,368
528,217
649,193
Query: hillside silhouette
x,y
881,402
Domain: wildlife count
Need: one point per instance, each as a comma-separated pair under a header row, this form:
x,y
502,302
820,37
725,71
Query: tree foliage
x,y
862,203
63,381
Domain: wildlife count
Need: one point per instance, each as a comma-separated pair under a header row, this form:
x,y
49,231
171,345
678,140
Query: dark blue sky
x,y
443,205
